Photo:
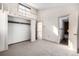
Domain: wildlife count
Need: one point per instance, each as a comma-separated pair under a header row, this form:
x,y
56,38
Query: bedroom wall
x,y
12,8
50,26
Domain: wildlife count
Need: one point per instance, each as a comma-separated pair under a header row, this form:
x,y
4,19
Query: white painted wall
x,y
49,18
18,32
50,27
12,8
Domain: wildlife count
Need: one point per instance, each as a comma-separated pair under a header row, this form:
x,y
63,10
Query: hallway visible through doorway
x,y
65,36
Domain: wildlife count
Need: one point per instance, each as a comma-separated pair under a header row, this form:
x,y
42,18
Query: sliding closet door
x,y
18,31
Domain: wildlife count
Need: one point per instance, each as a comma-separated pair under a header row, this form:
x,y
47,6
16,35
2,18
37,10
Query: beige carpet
x,y
37,48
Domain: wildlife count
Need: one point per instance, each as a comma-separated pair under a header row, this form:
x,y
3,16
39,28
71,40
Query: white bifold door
x,y
18,30
3,31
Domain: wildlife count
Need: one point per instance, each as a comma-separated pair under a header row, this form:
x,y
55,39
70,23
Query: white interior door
x,y
33,30
61,30
3,31
39,30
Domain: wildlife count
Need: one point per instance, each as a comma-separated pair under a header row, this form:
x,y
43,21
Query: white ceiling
x,y
41,6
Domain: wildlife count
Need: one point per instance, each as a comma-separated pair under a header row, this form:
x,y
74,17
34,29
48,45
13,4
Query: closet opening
x,y
18,30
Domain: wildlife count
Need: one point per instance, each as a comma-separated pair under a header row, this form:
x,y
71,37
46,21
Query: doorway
x,y
64,40
64,30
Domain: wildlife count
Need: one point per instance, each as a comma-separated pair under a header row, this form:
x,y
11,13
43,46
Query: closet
x,y
18,30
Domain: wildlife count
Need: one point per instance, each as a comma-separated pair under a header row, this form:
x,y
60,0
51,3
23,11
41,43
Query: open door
x,y
65,38
63,30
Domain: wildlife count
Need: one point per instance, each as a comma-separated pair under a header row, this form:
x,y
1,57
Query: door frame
x,y
61,19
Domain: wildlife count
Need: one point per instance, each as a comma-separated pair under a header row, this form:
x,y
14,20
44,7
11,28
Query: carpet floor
x,y
38,48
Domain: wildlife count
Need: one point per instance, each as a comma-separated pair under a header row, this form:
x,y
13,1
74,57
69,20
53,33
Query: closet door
x,y
18,31
33,30
3,31
39,30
